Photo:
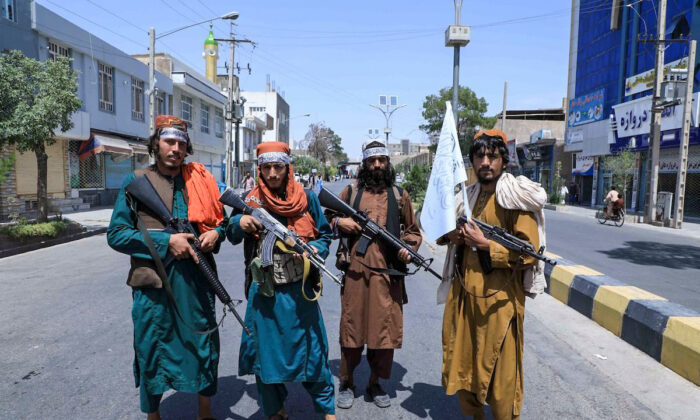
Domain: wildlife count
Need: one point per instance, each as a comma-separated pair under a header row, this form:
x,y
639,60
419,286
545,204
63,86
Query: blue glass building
x,y
608,50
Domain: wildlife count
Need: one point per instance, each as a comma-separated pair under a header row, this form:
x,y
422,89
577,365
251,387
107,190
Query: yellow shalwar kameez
x,y
482,338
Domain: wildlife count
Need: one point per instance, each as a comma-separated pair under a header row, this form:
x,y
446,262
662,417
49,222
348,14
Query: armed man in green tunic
x,y
169,353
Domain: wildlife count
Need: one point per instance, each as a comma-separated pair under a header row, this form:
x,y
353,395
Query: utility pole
x,y
456,36
503,116
685,136
656,108
234,115
152,82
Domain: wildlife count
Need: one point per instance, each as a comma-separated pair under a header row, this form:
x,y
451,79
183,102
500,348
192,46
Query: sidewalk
x,y
688,229
93,219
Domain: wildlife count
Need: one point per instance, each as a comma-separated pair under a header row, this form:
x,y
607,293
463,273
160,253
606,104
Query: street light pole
x,y
456,36
387,116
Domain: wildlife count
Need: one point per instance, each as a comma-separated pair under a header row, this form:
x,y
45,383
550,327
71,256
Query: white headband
x,y
375,151
174,133
274,157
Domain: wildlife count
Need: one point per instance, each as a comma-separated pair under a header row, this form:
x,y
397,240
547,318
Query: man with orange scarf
x,y
168,351
288,341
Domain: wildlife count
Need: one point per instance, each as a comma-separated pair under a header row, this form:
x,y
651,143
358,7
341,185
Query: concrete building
x,y
406,147
536,143
609,97
200,102
269,102
88,163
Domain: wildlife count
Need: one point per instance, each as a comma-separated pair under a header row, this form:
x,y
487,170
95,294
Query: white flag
x,y
438,214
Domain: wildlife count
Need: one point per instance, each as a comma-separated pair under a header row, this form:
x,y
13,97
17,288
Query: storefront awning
x,y
138,148
101,143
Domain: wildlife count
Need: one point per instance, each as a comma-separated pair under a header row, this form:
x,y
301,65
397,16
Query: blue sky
x,y
333,58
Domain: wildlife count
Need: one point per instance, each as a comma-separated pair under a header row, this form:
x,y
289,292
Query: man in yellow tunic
x,y
482,333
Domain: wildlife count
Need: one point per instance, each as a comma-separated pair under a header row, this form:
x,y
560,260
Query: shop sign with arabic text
x,y
586,108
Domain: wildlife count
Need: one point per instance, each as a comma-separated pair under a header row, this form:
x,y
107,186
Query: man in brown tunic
x,y
371,301
482,333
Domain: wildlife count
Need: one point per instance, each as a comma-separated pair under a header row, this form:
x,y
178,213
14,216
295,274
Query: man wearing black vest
x,y
372,299
169,349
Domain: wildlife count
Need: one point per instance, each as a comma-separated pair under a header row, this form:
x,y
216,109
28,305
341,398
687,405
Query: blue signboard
x,y
586,108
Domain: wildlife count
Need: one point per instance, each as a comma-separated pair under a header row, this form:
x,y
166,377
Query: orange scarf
x,y
203,207
294,208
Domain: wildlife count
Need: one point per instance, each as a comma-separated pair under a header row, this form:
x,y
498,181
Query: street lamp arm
x,y
232,16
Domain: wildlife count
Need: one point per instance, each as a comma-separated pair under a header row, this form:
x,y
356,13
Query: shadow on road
x,y
183,405
653,253
425,401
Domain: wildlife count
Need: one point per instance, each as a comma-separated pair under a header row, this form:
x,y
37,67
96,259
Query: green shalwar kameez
x,y
167,353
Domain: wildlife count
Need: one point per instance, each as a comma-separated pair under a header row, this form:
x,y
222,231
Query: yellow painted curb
x,y
552,256
680,350
562,276
610,304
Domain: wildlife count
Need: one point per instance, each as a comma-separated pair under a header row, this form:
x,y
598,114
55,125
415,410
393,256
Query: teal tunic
x,y
289,341
167,353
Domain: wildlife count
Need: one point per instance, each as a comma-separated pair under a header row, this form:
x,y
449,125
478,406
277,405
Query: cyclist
x,y
614,202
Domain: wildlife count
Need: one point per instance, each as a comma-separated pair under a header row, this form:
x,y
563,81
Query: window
x,y
257,109
218,123
56,50
186,111
136,99
7,10
204,119
106,87
160,103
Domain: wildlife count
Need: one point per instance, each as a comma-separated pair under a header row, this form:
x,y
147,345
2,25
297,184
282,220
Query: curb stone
x,y
666,331
51,242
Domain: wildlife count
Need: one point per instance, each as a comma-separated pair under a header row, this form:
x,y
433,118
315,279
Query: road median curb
x,y
666,331
50,242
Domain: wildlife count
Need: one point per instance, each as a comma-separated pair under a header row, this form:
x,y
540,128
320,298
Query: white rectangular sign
x,y
634,117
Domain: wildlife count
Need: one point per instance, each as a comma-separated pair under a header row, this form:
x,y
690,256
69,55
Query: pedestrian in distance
x,y
169,353
372,300
563,191
248,182
288,341
482,333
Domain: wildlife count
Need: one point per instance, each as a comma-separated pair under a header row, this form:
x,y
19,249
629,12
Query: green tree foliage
x,y
6,164
622,166
304,164
471,114
324,145
555,196
416,183
36,98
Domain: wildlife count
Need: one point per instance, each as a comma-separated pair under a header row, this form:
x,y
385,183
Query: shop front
x,y
99,165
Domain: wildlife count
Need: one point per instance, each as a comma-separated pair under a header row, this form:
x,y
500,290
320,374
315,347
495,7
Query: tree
x,y
416,184
471,112
324,144
622,166
555,197
304,164
36,98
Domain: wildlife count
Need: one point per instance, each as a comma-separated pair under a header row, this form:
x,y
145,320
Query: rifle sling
x,y
160,269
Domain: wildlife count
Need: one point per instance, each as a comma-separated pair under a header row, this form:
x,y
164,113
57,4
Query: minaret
x,y
211,55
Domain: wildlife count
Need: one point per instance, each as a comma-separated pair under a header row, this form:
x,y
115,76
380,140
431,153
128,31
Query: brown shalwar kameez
x,y
371,302
482,338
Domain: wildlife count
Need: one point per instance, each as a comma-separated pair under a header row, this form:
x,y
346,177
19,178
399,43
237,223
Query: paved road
x,y
654,259
66,352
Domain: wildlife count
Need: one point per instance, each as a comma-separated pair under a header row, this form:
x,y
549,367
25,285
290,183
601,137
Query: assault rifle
x,y
371,230
142,190
499,235
276,231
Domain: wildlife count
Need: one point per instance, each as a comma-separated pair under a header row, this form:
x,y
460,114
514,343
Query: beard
x,y
372,178
488,179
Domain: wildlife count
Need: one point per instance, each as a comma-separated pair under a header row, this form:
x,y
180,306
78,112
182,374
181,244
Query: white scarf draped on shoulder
x,y
513,194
